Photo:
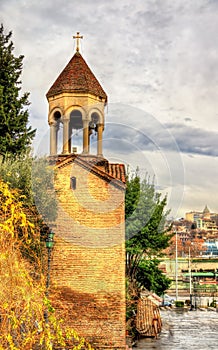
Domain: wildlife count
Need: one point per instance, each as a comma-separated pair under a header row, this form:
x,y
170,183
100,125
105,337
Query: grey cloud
x,y
195,140
130,129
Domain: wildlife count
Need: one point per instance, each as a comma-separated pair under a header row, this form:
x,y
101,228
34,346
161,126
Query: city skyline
x,y
157,62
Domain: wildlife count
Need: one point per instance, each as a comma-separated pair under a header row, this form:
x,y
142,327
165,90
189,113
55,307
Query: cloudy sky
x,y
157,60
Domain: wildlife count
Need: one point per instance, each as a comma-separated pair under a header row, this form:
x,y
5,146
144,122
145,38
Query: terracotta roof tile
x,y
117,171
112,171
77,77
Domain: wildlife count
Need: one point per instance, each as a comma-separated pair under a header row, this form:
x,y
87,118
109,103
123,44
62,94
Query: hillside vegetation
x,y
23,304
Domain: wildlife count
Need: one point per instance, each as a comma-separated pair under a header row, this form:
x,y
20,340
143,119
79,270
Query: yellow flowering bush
x,y
22,294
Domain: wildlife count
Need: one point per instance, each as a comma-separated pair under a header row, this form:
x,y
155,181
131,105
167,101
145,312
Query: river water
x,y
185,330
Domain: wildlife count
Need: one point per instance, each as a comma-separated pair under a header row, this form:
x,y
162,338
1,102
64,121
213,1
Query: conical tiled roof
x,y
77,77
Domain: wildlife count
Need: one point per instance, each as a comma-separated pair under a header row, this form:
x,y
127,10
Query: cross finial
x,y
77,37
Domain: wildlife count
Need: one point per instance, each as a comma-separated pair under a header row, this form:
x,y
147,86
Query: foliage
x,y
179,303
44,195
17,173
22,294
131,198
146,236
33,177
132,296
140,202
213,303
15,135
150,277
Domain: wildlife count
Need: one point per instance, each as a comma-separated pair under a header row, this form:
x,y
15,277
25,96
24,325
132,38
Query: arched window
x,y
59,131
75,130
93,129
76,120
93,125
95,117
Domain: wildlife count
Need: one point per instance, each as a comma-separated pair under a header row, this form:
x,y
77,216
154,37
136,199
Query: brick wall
x,y
88,264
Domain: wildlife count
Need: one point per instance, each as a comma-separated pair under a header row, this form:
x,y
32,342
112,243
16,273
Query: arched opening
x,y
95,117
54,132
57,116
93,131
75,131
59,131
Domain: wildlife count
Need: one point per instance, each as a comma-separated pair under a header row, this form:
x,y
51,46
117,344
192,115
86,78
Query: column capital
x,y
100,125
65,120
86,122
53,123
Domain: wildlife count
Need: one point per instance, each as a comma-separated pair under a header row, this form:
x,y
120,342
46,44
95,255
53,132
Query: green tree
x,y
146,236
16,172
149,276
15,134
33,178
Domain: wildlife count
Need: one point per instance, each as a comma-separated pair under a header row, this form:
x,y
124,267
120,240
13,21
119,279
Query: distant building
x,y
192,215
211,248
205,220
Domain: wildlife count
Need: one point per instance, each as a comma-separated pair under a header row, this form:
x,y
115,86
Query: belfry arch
x,y
55,124
75,126
96,129
90,122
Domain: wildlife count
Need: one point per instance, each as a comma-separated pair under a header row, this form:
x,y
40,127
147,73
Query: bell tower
x,y
76,102
88,258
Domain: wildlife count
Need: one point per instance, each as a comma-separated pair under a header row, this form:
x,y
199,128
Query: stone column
x,y
66,136
100,134
53,138
85,137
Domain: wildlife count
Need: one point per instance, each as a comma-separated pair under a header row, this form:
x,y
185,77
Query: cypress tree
x,y
15,134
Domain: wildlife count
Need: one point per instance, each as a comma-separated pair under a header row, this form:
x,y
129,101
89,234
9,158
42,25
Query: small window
x,y
73,182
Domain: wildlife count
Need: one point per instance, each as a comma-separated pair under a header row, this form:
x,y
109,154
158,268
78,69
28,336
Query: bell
x,y
92,125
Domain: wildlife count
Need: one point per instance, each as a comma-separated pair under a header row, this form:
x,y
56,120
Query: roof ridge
x,y
119,181
91,166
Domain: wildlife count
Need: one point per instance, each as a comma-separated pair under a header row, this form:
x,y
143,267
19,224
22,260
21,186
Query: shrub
x,y
213,304
179,303
22,294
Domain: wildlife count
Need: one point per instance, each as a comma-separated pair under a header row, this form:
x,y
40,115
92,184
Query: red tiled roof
x,y
112,171
77,77
117,171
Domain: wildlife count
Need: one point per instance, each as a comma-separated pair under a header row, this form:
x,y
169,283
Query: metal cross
x,y
77,37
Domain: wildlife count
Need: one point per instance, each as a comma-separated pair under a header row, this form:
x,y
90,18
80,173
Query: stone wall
x,y
88,263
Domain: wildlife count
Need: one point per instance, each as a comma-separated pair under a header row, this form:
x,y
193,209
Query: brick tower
x,y
88,263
